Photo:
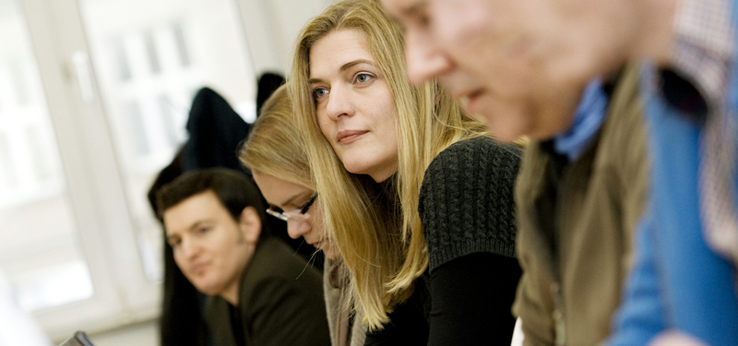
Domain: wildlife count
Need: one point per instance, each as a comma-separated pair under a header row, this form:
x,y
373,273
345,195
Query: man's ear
x,y
250,225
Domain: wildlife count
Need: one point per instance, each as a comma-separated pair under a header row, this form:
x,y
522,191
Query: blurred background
x,y
94,96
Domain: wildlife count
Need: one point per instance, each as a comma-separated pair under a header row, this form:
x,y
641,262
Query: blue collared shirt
x,y
589,117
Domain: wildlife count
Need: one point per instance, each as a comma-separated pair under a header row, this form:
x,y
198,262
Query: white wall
x,y
272,27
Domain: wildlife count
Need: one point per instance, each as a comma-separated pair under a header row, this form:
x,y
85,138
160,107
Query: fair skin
x,y
523,64
292,197
355,108
675,338
211,248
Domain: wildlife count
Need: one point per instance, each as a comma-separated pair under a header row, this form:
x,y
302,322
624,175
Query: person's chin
x,y
354,167
206,289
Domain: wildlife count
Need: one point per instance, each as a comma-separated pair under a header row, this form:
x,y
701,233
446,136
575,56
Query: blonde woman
x,y
275,154
410,189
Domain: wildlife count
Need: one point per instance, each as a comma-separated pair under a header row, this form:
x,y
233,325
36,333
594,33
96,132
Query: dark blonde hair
x,y
275,146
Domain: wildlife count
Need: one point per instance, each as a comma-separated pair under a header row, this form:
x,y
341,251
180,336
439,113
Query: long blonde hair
x,y
275,146
384,255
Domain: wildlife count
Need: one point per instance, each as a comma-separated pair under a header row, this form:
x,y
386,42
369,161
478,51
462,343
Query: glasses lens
x,y
296,214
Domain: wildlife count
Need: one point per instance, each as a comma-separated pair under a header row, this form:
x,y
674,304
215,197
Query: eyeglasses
x,y
286,215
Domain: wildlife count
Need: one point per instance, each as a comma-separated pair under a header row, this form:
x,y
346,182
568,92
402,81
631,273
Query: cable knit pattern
x,y
466,200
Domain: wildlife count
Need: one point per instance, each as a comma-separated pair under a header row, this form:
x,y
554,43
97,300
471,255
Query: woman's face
x,y
355,108
291,198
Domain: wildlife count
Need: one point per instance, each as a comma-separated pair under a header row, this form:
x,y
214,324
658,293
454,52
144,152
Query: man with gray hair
x,y
528,67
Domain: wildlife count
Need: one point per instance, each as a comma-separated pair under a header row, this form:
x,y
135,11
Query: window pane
x,y
149,64
39,254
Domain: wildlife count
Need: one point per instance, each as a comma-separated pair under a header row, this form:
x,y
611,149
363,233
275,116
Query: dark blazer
x,y
281,302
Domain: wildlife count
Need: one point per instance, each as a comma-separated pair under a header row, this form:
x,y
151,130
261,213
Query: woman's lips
x,y
349,136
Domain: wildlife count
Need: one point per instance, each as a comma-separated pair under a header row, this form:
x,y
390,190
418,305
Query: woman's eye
x,y
302,206
363,77
203,230
319,92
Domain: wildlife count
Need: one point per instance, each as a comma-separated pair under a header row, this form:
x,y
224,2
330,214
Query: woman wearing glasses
x,y
274,151
410,189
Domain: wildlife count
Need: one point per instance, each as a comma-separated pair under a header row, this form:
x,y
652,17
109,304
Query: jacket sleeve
x,y
639,317
280,314
533,303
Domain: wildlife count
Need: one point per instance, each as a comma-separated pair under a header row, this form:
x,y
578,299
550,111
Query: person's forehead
x,y
276,190
338,48
179,223
404,8
193,209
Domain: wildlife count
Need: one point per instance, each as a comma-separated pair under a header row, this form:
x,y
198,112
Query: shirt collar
x,y
704,46
589,117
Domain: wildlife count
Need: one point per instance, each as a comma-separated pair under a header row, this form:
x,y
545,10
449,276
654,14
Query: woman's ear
x,y
250,225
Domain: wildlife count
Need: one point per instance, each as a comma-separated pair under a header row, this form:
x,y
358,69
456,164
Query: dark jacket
x,y
281,302
576,226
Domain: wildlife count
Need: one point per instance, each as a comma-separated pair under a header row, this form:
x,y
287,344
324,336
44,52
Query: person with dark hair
x,y
258,291
180,322
215,131
266,86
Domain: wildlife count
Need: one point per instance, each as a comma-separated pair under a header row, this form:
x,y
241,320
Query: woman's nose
x,y
298,227
338,103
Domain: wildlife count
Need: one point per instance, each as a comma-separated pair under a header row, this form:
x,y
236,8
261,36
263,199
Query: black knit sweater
x,y
466,201
467,211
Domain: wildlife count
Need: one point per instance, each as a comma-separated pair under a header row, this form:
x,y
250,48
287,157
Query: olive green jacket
x,y
576,224
281,302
